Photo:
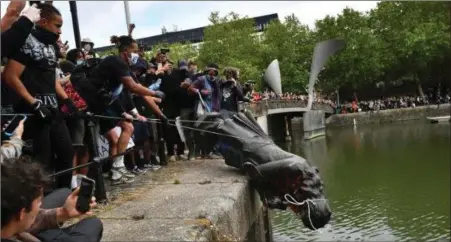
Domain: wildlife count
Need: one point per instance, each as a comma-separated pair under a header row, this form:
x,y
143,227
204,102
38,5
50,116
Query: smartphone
x,y
9,130
85,195
65,43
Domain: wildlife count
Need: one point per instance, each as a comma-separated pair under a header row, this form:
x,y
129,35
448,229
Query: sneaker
x,y
154,160
182,157
144,168
156,167
122,180
212,156
191,157
124,172
148,166
172,158
138,171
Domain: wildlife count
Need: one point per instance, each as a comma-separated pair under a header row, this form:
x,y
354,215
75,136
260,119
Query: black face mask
x,y
45,36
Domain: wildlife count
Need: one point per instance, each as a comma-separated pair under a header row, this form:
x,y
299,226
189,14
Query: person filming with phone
x,y
12,142
28,216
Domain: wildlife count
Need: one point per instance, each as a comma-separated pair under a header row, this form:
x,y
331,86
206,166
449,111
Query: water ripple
x,y
361,220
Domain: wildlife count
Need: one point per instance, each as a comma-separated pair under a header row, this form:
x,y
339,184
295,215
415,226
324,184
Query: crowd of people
x,y
354,106
389,103
68,97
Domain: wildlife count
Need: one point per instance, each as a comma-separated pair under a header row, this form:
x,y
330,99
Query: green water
x,y
383,182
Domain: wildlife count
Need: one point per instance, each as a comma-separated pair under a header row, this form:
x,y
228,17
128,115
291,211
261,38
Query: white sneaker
x,y
172,158
122,180
156,167
182,157
123,171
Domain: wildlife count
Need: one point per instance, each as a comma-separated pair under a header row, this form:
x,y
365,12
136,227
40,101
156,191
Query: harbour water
x,y
384,183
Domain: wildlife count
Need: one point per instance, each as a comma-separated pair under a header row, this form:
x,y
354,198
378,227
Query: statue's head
x,y
306,198
292,183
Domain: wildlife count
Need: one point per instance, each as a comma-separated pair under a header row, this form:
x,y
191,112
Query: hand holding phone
x,y
15,126
85,192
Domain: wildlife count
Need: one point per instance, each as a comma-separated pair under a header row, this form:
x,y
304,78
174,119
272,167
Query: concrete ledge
x,y
205,201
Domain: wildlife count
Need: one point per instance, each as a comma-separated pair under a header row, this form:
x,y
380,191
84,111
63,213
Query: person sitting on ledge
x,y
29,217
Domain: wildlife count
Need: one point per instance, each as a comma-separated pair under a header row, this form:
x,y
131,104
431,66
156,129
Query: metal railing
x,y
261,107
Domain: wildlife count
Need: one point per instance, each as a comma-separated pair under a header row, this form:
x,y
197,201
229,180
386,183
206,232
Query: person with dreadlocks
x,y
110,81
30,74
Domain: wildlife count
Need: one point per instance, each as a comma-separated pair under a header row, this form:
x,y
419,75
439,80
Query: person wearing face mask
x,y
30,73
207,87
231,92
187,104
103,91
76,57
88,46
16,26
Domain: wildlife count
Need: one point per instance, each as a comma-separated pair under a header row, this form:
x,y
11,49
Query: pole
x,y
95,170
73,11
127,15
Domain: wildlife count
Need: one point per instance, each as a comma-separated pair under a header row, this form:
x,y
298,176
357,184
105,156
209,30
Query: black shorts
x,y
142,133
105,124
77,130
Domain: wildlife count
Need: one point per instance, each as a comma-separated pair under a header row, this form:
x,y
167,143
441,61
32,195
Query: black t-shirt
x,y
228,97
187,100
38,76
110,71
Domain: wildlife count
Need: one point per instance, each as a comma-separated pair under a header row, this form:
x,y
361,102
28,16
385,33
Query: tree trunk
x,y
420,90
419,86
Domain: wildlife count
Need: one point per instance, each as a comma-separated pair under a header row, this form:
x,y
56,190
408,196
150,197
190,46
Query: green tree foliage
x,y
393,43
291,44
417,37
231,41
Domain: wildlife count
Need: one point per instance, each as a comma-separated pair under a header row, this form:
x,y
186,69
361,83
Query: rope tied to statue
x,y
148,120
290,199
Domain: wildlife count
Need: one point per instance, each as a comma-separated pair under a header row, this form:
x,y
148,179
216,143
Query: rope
x,y
134,148
158,121
290,199
96,160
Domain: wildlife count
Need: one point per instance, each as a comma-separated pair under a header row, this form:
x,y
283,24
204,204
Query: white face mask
x,y
87,47
133,59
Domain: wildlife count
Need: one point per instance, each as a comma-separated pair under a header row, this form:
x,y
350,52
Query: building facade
x,y
193,36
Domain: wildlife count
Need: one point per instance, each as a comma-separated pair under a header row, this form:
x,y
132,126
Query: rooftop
x,y
195,35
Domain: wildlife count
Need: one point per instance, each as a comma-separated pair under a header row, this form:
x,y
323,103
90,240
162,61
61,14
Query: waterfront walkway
x,y
200,200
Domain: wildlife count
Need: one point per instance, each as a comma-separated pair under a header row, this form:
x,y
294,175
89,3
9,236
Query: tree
x,y
231,41
417,33
291,43
359,64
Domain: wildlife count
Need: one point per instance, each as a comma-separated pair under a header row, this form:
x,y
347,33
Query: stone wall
x,y
261,108
201,200
388,116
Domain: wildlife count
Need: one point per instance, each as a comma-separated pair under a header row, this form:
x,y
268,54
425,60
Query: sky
x,y
101,19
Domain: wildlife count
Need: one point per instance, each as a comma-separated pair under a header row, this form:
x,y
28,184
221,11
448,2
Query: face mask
x,y
80,62
87,47
47,37
133,59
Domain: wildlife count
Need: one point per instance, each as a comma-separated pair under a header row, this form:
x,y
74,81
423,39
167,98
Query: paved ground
x,y
190,200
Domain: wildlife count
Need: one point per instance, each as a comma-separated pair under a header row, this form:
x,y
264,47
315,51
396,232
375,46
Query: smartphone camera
x,y
85,195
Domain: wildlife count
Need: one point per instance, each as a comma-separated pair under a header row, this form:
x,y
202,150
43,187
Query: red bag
x,y
79,103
